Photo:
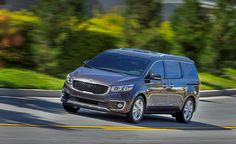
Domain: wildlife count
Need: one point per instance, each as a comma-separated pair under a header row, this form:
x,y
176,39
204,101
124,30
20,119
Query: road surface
x,y
34,120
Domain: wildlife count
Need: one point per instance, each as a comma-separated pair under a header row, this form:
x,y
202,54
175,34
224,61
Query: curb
x,y
57,93
225,92
29,92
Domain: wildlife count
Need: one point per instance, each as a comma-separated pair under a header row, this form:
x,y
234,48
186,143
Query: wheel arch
x,y
194,100
144,97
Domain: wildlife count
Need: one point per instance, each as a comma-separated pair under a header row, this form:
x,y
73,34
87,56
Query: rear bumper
x,y
108,102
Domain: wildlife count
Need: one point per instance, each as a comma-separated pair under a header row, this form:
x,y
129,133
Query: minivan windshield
x,y
119,63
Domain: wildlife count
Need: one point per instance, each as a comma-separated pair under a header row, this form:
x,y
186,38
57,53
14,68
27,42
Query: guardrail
x,y
57,93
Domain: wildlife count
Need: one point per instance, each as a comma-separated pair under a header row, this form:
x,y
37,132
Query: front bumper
x,y
110,102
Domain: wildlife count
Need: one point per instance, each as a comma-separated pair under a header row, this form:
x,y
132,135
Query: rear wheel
x,y
185,115
137,110
71,109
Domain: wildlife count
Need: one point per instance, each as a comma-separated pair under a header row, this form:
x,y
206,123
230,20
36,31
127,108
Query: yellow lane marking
x,y
230,127
87,127
115,128
135,128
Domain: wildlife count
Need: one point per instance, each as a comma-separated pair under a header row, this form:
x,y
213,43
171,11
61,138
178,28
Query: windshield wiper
x,y
107,69
88,66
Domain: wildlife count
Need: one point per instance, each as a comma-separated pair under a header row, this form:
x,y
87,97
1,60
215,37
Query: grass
x,y
226,80
21,78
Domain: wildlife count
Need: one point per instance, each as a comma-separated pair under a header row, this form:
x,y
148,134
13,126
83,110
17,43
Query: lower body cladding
x,y
102,103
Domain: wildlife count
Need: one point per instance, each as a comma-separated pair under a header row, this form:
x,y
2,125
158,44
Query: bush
x,y
160,39
110,24
15,38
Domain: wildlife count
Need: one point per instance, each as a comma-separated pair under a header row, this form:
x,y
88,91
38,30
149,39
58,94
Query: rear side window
x,y
158,68
189,70
173,69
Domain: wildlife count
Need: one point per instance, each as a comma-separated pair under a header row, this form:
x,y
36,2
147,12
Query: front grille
x,y
90,87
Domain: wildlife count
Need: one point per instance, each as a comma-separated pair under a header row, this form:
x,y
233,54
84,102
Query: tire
x,y
71,109
185,115
137,110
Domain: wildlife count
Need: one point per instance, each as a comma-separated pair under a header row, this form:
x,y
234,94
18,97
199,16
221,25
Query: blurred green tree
x,y
140,15
146,12
160,38
51,32
191,24
15,28
222,40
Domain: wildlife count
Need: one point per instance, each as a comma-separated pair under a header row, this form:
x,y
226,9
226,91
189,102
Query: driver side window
x,y
158,68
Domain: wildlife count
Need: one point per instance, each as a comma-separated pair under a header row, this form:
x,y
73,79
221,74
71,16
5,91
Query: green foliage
x,y
140,15
146,12
160,39
224,81
15,28
77,8
22,78
190,24
222,38
229,73
110,24
50,33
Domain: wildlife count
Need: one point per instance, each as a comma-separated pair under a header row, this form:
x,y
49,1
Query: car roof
x,y
151,55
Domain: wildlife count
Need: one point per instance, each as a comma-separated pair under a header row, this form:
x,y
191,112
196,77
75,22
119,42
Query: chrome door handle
x,y
171,85
164,86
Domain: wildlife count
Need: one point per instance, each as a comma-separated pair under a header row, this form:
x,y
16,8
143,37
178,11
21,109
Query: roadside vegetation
x,y
54,42
224,80
21,78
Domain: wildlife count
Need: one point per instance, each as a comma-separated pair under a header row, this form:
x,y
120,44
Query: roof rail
x,y
142,51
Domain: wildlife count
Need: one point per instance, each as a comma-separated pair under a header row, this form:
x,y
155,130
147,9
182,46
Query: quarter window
x,y
173,69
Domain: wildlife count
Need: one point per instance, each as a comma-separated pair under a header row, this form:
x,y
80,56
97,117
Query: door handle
x,y
171,85
164,86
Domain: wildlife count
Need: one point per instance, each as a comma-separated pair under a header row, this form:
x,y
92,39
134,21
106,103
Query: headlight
x,y
69,79
123,88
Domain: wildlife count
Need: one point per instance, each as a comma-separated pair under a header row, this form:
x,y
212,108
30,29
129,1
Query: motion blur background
x,y
43,40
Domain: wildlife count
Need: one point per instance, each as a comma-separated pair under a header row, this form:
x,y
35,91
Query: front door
x,y
157,99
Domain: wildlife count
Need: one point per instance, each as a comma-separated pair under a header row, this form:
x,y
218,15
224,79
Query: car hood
x,y
102,76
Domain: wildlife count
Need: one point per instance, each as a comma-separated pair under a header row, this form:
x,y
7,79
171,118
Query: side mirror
x,y
86,61
153,76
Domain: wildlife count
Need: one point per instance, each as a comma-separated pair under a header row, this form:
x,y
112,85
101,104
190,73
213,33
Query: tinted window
x,y
158,68
189,70
119,63
173,69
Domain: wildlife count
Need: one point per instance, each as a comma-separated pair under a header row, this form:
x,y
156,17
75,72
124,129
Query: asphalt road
x,y
32,120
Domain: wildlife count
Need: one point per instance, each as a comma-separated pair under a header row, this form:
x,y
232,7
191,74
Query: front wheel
x,y
185,115
71,109
137,110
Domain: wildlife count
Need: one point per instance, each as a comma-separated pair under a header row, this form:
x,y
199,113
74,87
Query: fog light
x,y
120,105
